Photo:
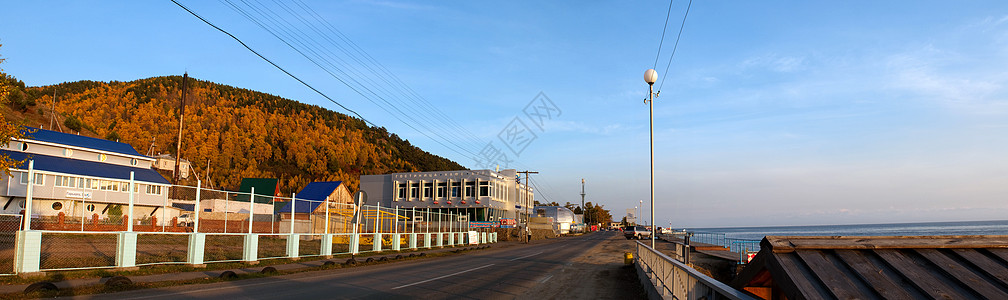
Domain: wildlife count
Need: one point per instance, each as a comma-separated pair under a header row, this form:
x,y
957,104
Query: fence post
x,y
293,240
396,241
126,250
251,208
199,186
28,195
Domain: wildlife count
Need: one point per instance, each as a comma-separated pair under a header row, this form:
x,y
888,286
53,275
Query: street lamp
x,y
650,76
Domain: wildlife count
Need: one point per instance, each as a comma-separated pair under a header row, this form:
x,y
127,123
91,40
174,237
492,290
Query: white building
x,y
483,195
167,162
81,176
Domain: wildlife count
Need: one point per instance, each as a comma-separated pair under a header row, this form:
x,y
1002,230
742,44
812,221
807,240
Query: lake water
x,y
935,228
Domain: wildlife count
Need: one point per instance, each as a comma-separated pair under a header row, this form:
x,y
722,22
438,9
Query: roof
x,y
311,196
265,189
84,167
895,267
50,136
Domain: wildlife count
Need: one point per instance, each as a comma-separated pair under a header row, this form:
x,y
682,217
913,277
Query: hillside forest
x,y
230,133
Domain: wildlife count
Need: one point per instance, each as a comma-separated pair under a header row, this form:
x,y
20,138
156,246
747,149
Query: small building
x,y
878,267
167,162
309,214
81,176
562,217
482,195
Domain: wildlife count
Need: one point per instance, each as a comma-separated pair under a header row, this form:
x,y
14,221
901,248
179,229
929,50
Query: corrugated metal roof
x,y
265,189
78,141
311,196
900,267
84,168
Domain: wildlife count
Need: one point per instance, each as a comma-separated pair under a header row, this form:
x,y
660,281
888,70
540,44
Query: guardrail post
x,y
251,253
396,242
440,239
427,240
293,245
377,242
29,251
451,239
413,241
196,248
126,250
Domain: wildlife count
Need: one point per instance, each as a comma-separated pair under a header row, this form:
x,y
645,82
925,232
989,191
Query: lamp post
x,y
650,76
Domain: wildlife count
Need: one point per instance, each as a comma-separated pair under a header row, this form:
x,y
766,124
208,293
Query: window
x,y
456,189
124,186
133,161
400,192
96,184
428,188
154,190
414,190
24,146
484,188
24,177
83,183
39,179
57,206
470,189
442,188
90,207
67,152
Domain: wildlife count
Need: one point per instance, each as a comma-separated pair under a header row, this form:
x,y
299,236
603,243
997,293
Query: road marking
x,y
436,278
533,254
545,279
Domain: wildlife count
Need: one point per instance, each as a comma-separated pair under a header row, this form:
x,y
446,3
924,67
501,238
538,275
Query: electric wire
x,y
357,90
271,62
662,41
676,46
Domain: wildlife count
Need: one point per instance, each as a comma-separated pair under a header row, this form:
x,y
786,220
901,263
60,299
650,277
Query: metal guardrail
x,y
674,280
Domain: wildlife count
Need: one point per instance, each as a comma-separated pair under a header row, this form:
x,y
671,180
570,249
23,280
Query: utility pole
x,y
584,211
178,149
528,237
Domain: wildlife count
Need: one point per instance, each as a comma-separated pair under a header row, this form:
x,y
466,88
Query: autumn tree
x,y
9,129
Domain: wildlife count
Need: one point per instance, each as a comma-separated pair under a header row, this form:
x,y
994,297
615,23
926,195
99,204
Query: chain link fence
x,y
68,251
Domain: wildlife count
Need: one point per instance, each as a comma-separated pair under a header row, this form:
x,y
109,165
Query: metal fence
x,y
195,225
744,248
671,279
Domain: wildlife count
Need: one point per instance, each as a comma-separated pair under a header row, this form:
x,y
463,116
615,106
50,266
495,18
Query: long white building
x,y
483,195
81,176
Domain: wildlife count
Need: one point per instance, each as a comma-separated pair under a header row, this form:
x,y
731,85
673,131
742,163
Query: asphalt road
x,y
490,274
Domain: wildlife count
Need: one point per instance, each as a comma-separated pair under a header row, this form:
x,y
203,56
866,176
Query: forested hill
x,y
241,133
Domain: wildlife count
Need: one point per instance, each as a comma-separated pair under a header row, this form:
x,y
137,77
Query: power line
x,y
290,35
676,45
662,41
271,62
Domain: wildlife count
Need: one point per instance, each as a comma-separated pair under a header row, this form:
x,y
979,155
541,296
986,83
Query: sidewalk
x,y
315,262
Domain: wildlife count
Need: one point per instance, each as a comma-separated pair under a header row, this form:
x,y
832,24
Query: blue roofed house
x,y
81,176
309,213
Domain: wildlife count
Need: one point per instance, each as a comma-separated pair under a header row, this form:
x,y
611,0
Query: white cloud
x,y
775,62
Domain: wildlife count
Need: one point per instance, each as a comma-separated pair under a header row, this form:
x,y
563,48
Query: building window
x,y
24,178
96,184
456,189
470,189
133,161
484,188
442,188
68,152
414,190
153,189
401,190
24,146
39,179
57,206
90,207
124,186
428,188
83,183
102,157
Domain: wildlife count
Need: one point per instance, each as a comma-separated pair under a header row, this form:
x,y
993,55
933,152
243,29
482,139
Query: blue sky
x,y
780,113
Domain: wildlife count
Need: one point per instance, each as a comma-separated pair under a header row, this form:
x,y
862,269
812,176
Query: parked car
x,y
636,232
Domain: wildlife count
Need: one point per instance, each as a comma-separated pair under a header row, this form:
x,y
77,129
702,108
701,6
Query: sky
x,y
770,113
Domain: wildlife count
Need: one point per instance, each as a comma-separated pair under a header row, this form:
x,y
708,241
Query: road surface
x,y
587,266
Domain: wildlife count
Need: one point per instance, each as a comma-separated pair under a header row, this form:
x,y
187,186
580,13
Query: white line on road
x,y
545,279
436,278
533,254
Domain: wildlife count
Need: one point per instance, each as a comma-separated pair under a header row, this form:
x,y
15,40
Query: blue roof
x,y
311,196
43,135
84,168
